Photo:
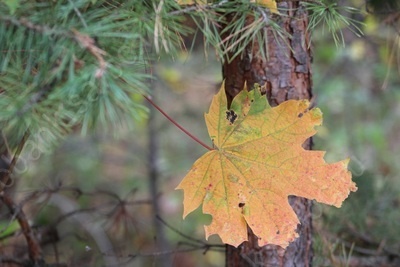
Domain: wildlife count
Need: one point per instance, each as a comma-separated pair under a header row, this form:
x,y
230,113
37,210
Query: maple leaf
x,y
259,161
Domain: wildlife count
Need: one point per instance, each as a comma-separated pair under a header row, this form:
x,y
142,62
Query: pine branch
x,y
198,8
89,43
331,16
83,40
60,47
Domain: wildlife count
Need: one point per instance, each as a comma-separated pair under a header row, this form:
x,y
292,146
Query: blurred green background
x,y
358,89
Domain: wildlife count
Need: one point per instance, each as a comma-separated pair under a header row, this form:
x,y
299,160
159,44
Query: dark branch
x,y
34,250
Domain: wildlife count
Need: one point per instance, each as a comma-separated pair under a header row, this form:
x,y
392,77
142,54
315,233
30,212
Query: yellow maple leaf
x,y
259,161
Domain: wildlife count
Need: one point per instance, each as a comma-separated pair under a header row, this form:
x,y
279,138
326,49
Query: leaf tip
x,y
346,162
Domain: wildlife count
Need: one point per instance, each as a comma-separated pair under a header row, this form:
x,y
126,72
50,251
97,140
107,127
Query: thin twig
x,y
89,44
179,232
205,247
176,124
187,236
12,260
34,249
67,215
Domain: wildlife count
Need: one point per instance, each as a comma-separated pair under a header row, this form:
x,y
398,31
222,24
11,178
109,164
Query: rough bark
x,y
285,74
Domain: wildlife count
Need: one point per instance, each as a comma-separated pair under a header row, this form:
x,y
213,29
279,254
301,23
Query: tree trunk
x,y
285,74
154,177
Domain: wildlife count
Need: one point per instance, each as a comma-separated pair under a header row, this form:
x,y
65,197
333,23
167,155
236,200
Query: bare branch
x,y
189,237
34,249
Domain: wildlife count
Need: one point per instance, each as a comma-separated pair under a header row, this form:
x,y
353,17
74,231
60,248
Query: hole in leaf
x,y
231,116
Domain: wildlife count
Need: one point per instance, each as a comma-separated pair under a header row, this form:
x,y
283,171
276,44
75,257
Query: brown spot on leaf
x,y
241,204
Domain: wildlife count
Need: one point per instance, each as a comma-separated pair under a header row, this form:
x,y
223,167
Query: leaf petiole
x,y
176,124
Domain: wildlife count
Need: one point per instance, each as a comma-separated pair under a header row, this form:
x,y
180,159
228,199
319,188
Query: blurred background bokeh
x,y
115,181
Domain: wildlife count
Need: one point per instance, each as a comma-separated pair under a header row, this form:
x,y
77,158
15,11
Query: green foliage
x,y
232,26
12,5
330,14
69,63
81,63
